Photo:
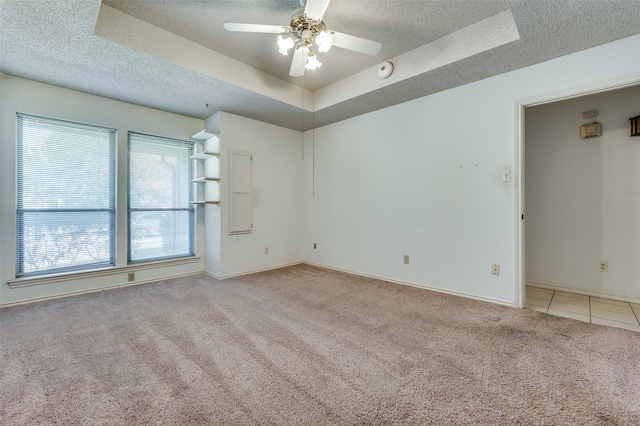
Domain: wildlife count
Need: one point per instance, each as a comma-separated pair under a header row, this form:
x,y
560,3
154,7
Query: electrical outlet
x,y
266,250
495,269
131,276
406,259
314,246
604,266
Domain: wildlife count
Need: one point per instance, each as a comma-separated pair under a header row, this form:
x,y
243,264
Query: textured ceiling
x,y
57,42
399,25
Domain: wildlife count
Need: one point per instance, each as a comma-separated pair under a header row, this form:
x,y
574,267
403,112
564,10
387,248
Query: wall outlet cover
x,y
495,269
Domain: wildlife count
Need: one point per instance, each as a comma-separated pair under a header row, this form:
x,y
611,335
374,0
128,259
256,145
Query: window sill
x,y
53,278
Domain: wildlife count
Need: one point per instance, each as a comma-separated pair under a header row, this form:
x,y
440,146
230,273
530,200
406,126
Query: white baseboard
x,y
411,284
95,290
252,271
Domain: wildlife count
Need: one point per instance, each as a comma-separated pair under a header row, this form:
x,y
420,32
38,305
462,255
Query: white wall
x,y
20,95
424,178
582,198
277,199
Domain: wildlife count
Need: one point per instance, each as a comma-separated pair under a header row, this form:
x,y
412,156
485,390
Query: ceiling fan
x,y
305,29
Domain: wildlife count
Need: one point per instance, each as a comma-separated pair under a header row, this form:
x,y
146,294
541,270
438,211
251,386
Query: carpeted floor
x,y
307,346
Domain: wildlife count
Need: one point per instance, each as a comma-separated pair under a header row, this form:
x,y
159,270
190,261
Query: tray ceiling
x,y
176,55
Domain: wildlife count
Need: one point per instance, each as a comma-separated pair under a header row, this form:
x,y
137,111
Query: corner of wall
x,y
213,122
276,173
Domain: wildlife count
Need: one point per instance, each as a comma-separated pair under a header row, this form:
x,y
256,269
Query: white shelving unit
x,y
205,155
207,168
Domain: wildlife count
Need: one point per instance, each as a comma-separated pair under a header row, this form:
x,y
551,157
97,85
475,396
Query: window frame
x,y
22,211
188,208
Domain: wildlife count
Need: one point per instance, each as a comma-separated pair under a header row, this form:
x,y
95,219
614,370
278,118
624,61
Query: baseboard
x,y
411,284
584,292
95,290
252,271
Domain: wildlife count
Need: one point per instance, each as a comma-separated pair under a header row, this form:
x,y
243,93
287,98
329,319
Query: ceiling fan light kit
x,y
306,32
312,62
324,40
284,44
307,28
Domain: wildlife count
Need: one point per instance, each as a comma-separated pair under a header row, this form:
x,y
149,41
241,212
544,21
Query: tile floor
x,y
584,308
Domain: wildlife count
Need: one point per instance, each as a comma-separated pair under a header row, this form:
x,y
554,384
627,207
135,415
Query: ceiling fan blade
x,y
254,28
299,61
356,44
315,9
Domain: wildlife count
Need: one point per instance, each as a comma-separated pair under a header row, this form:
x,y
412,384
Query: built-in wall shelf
x,y
205,202
205,179
206,168
203,135
204,155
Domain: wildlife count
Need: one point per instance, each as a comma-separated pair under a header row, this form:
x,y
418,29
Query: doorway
x,y
520,169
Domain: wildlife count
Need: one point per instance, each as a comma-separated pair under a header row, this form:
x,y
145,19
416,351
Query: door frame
x,y
519,163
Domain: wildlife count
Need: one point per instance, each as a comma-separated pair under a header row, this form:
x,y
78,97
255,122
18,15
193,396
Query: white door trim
x,y
520,105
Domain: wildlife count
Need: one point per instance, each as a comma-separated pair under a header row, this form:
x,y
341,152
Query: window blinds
x,y
160,216
65,195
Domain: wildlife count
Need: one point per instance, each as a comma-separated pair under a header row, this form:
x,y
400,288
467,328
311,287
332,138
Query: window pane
x,y
158,173
160,216
65,195
65,167
160,234
64,240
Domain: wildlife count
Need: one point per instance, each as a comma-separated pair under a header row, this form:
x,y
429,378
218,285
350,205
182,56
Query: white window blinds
x,y
160,216
65,195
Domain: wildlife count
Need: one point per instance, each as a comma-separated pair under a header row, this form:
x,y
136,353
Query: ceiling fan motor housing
x,y
305,29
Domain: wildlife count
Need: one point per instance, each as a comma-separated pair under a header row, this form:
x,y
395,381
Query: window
x,y
65,196
160,216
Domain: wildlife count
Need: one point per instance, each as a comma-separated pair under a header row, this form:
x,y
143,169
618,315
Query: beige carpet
x,y
307,346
